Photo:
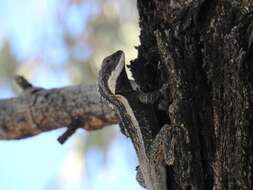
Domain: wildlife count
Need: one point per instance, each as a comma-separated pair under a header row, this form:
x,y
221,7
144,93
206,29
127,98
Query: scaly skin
x,y
137,118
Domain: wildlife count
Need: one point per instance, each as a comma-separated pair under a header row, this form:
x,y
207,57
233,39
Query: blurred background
x,y
55,43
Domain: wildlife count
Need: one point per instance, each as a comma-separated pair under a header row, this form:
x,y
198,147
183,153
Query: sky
x,y
41,163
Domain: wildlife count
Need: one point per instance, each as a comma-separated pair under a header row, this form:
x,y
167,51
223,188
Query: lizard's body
x,y
138,119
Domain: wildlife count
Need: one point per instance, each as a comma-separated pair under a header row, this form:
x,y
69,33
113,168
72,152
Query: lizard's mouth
x,y
118,65
122,84
113,77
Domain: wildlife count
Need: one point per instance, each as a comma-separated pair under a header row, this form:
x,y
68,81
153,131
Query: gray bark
x,y
34,112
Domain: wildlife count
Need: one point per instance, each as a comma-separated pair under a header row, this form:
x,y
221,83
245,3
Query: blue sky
x,y
33,27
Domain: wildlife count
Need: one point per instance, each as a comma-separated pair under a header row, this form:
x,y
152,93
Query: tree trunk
x,y
203,51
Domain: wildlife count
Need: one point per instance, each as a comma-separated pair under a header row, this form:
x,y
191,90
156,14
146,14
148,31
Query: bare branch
x,y
38,110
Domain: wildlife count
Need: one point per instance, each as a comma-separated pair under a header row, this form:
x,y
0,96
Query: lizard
x,y
138,119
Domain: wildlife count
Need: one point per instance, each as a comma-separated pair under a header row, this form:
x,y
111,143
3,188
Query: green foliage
x,y
8,63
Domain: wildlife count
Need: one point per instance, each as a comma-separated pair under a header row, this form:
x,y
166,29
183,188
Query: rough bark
x,y
42,110
205,51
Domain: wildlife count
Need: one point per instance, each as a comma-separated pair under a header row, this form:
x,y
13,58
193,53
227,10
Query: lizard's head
x,y
112,74
115,64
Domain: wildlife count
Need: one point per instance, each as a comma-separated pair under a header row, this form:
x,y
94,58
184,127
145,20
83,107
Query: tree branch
x,y
38,110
